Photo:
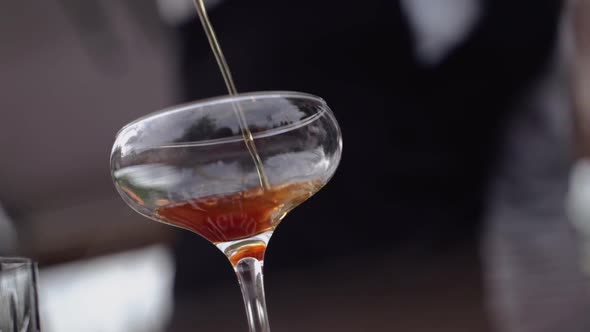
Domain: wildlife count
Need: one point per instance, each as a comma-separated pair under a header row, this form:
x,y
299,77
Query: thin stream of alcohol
x,y
231,89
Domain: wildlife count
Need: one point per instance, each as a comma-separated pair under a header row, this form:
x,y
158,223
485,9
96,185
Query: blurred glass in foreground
x,y
18,295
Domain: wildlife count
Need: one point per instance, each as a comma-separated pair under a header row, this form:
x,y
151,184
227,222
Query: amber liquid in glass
x,y
236,216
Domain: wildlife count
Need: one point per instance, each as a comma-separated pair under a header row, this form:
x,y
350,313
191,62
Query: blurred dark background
x,y
448,212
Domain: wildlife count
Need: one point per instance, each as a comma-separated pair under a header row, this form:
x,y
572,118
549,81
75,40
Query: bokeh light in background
x,y
579,209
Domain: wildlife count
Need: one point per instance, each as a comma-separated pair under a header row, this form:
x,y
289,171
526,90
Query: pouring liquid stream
x,y
231,89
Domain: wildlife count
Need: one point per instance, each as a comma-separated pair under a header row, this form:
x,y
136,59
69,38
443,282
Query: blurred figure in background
x,y
579,56
532,254
454,117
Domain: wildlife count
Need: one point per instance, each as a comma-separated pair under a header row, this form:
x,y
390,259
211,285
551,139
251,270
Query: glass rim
x,y
233,98
15,263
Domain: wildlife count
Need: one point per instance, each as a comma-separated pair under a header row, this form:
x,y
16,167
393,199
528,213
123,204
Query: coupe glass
x,y
189,166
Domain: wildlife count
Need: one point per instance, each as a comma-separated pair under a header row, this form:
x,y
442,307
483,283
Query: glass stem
x,y
249,271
